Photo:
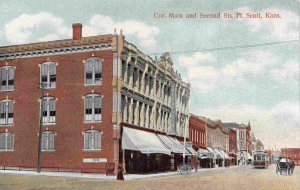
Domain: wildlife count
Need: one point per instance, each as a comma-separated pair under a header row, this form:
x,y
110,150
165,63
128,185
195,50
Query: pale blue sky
x,y
260,84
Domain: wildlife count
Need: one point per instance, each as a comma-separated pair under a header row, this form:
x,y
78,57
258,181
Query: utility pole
x,y
42,87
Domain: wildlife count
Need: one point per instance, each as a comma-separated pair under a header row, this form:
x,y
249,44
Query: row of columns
x,y
144,83
141,114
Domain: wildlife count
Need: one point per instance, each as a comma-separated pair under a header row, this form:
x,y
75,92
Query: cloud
x,y
279,125
288,73
284,28
145,34
35,27
205,75
45,26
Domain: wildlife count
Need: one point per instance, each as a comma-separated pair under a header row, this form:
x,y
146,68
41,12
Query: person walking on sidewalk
x,y
120,172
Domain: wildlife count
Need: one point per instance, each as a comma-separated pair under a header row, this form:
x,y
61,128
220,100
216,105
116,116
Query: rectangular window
x,y
7,78
93,71
6,142
48,74
93,108
49,110
92,140
48,141
6,113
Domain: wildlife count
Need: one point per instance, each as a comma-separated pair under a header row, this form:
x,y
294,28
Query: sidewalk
x,y
103,176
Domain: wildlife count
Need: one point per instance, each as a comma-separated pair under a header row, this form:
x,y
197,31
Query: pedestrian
x,y
120,172
197,163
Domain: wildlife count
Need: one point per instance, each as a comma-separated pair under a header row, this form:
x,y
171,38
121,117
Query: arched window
x,y
48,140
6,112
49,109
6,141
93,107
7,78
93,71
92,140
48,74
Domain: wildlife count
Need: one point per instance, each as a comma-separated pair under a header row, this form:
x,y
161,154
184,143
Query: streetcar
x,y
260,159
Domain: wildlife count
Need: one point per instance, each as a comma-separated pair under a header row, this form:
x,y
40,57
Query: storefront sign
x,y
94,160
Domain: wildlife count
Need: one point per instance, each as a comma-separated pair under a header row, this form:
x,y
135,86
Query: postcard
x,y
140,94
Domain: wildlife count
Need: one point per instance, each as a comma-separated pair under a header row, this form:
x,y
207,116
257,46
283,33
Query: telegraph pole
x,y
42,87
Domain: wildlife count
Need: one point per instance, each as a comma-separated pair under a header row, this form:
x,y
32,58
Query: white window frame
x,y
6,87
48,84
93,117
7,121
48,145
48,119
92,144
6,142
93,62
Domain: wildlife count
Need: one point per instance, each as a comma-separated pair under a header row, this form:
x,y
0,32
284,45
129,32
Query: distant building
x,y
244,146
197,133
292,153
259,145
232,145
197,136
217,140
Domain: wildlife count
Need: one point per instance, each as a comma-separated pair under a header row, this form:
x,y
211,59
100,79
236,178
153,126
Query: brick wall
x,y
69,125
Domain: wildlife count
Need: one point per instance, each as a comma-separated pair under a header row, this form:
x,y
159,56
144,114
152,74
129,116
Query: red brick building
x,y
77,111
232,145
197,134
96,90
292,153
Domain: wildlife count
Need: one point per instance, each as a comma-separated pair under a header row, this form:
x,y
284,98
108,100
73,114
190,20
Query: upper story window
x,y
6,112
48,74
93,71
93,107
6,141
49,109
92,140
7,78
48,141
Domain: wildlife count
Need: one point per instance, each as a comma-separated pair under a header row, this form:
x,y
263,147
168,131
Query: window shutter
x,y
96,140
98,70
88,102
3,79
98,104
11,76
45,104
44,141
9,141
10,108
52,70
2,141
52,105
2,109
88,72
44,72
52,74
51,141
86,141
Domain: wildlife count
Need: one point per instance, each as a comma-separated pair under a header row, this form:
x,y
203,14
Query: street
x,y
235,178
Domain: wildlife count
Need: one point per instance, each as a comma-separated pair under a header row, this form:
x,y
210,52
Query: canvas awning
x,y
225,155
212,152
170,144
180,145
145,142
189,147
218,154
249,157
204,153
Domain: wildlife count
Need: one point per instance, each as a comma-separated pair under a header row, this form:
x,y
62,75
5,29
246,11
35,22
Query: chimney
x,y
77,31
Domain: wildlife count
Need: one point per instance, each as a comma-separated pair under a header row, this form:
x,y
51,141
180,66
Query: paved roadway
x,y
244,178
